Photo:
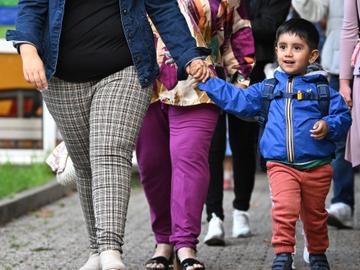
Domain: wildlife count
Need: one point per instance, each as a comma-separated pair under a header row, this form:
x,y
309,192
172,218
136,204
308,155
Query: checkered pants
x,y
99,122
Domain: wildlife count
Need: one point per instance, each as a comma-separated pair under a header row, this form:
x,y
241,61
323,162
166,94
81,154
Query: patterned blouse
x,y
222,26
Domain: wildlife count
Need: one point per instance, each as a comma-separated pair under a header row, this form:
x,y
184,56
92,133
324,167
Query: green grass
x,y
135,180
3,30
8,2
16,178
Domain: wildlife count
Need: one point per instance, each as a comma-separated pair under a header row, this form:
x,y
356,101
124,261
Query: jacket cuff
x,y
18,37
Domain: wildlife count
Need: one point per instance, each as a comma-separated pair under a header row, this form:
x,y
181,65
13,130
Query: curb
x,y
31,200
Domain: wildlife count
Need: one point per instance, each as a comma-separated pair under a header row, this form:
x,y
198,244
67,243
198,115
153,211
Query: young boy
x,y
297,141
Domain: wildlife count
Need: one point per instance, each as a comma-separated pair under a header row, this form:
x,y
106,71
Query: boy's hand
x,y
199,70
33,67
319,130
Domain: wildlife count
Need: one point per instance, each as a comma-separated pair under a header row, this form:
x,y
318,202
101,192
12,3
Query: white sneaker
x,y
215,235
241,224
306,255
111,260
93,263
340,216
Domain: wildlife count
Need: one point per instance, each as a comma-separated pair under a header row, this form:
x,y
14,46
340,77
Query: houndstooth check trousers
x,y
99,122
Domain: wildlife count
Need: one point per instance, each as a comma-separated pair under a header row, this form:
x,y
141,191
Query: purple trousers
x,y
172,152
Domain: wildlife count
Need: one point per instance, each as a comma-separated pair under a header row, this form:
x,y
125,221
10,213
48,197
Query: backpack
x,y
267,96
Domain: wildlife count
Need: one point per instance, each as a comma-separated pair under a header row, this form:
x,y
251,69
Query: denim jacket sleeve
x,y
240,102
30,22
168,20
339,118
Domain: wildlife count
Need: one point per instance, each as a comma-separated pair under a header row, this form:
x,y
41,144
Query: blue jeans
x,y
343,178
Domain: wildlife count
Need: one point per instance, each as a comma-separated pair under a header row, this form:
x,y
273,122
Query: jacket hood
x,y
314,72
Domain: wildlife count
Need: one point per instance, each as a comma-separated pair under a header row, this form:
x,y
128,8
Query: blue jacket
x,y
286,135
39,22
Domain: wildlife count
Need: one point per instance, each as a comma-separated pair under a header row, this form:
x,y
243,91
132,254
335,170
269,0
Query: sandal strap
x,y
190,262
159,260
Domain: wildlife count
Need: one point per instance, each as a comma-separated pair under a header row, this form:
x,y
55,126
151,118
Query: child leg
x,y
315,187
286,198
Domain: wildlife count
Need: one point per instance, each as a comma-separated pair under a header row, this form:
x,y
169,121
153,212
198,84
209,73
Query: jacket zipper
x,y
289,123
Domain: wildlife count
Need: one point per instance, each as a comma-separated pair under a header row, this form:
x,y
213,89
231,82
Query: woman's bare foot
x,y
186,253
161,250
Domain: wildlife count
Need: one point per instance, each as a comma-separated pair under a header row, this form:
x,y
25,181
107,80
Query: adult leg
x,y
342,203
214,199
314,189
243,141
117,110
343,178
215,235
69,104
153,154
191,130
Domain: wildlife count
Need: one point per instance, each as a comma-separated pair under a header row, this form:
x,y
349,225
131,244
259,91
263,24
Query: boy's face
x,y
294,54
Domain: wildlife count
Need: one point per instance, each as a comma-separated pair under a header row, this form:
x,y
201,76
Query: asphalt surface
x,y
54,237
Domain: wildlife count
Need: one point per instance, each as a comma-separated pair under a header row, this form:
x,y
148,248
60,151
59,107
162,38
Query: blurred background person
x,y
342,203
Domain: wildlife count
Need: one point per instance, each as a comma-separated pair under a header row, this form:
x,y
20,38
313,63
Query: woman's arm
x,y
312,10
30,22
238,50
172,27
349,36
28,36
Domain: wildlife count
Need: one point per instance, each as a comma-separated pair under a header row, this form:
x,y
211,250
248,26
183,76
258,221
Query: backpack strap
x,y
324,97
267,95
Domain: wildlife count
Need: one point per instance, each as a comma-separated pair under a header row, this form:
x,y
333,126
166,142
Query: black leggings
x,y
243,141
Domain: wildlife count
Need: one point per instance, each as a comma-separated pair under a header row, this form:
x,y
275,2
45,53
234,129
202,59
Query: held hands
x,y
319,130
199,70
33,67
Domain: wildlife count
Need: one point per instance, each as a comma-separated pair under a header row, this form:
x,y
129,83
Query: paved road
x,y
54,238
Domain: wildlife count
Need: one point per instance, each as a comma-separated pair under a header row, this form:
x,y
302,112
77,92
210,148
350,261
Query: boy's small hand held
x,y
319,130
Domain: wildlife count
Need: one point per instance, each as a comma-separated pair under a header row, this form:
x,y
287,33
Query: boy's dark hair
x,y
301,28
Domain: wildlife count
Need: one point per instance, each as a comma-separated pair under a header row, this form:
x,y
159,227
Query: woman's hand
x,y
345,92
199,70
33,67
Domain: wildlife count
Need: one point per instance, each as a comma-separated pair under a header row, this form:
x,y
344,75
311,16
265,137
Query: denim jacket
x,y
39,22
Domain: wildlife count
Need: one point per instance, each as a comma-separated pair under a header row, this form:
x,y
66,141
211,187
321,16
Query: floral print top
x,y
222,26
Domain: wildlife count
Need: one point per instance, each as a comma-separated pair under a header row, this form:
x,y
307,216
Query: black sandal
x,y
159,260
190,262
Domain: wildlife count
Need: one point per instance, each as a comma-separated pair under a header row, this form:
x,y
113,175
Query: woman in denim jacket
x,y
99,60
